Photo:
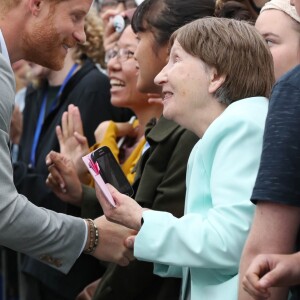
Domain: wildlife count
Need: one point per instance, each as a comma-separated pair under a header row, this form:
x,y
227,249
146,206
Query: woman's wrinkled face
x,y
279,31
123,73
185,86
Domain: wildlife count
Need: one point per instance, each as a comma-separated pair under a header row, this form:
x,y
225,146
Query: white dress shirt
x,y
3,48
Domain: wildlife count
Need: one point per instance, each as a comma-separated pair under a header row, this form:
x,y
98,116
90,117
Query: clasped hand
x,y
127,211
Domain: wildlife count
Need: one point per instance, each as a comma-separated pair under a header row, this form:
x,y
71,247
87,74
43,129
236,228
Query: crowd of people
x,y
198,102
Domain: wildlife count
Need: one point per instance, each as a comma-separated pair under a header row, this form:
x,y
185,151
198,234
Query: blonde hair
x,y
93,47
236,50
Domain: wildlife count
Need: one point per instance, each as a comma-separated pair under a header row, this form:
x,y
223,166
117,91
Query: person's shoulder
x,y
292,78
89,70
166,130
247,105
251,110
90,78
7,85
286,91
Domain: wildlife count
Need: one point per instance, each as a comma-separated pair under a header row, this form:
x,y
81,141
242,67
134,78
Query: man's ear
x,y
216,80
35,6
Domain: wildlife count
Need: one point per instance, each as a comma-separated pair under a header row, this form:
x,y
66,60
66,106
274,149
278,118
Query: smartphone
x,y
111,171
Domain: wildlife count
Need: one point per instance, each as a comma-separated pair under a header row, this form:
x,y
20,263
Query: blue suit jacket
x,y
208,241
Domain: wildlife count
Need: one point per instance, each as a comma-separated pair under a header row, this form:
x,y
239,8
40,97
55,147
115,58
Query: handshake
x,y
111,244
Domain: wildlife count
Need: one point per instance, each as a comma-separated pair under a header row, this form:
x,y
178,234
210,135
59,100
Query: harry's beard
x,y
44,46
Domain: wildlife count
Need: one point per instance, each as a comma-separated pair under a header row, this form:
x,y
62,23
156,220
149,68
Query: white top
x,y
3,48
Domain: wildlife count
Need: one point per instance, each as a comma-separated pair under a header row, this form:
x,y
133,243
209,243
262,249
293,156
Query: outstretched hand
x,y
271,270
73,144
127,211
111,246
63,179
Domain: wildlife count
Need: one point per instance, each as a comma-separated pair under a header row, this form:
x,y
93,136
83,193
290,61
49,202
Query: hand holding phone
x,y
105,169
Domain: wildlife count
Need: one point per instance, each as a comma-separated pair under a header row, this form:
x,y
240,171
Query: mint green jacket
x,y
207,241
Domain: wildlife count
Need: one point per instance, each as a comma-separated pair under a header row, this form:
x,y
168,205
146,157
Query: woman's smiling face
x,y
185,82
123,72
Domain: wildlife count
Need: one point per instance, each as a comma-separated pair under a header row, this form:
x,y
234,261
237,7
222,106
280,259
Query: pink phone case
x,y
94,170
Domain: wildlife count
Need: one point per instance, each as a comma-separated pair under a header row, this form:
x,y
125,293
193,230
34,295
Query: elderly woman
x,y
219,74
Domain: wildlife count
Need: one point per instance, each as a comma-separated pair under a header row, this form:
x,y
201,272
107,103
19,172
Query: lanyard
x,y
42,113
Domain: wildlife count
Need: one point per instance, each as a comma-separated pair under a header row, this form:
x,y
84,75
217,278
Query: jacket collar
x,y
161,130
